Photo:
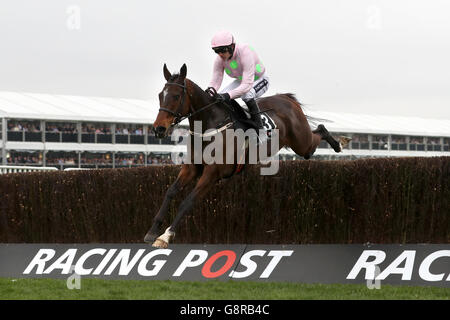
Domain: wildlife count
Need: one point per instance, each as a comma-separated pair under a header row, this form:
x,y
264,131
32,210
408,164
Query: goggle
x,y
220,49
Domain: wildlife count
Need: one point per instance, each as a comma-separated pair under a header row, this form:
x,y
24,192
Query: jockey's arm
x,y
217,77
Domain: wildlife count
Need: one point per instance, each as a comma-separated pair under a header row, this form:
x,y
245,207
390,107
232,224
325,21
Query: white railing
x,y
18,169
15,169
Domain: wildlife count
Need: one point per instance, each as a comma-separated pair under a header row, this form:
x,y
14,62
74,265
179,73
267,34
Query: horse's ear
x,y
166,71
183,71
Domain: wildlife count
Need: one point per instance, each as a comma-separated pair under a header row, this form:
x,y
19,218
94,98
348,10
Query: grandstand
x,y
65,131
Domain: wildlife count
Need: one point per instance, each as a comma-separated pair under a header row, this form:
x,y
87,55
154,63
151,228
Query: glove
x,y
225,97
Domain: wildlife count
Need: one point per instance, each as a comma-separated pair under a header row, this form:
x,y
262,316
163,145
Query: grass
x,y
52,289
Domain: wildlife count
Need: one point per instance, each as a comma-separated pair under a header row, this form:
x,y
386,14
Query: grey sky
x,y
364,56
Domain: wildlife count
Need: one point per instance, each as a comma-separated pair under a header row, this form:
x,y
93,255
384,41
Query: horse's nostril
x,y
160,130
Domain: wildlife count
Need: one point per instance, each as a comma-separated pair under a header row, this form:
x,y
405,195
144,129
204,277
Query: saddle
x,y
241,116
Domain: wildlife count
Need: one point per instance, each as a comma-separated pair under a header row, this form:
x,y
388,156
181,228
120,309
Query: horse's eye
x,y
176,97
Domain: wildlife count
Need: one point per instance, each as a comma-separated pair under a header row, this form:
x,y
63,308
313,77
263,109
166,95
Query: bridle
x,y
177,114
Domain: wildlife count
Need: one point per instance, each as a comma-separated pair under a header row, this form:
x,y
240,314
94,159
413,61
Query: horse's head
x,y
173,101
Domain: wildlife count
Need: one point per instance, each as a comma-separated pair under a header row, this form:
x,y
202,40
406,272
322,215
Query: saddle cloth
x,y
242,110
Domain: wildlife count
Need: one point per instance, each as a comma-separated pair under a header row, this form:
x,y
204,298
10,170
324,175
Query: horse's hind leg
x,y
186,175
323,132
316,138
304,143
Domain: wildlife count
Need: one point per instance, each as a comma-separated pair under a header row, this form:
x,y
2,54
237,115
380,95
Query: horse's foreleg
x,y
186,175
152,234
206,181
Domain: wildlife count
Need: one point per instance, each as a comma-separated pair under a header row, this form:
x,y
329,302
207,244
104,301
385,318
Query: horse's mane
x,y
175,77
199,89
292,97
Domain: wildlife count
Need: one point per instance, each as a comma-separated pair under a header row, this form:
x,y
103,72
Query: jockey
x,y
241,62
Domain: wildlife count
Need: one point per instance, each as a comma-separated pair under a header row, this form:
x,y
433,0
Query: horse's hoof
x,y
159,243
150,238
163,240
337,146
344,141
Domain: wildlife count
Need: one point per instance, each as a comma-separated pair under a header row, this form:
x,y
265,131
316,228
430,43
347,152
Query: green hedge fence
x,y
396,200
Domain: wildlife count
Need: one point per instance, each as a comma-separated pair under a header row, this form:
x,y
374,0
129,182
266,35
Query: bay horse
x,y
181,98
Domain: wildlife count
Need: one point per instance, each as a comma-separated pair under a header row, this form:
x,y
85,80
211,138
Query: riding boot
x,y
254,112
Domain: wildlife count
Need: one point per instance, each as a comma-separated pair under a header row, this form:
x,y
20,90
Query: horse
x,y
181,98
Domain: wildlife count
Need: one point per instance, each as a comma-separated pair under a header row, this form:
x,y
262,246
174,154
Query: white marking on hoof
x,y
343,142
163,240
161,244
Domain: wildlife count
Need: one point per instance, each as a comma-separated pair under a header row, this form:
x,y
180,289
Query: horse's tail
x,y
312,120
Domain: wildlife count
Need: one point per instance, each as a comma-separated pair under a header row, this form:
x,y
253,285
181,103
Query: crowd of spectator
x,y
129,160
61,127
398,139
101,160
159,160
380,142
92,128
360,138
434,141
380,139
127,130
62,161
136,132
24,159
416,140
27,126
71,159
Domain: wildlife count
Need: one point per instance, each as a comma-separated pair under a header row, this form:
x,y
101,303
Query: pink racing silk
x,y
244,65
